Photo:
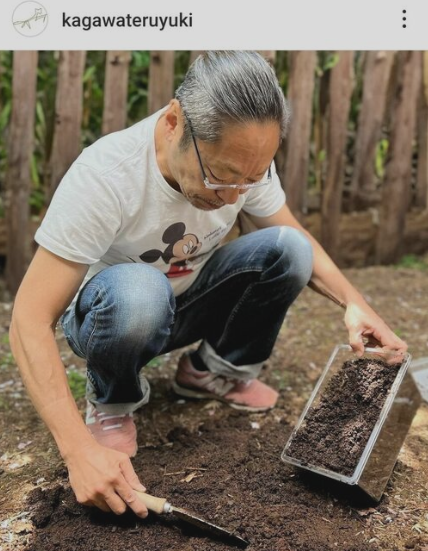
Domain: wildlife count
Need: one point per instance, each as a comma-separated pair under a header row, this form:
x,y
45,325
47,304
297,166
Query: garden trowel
x,y
161,506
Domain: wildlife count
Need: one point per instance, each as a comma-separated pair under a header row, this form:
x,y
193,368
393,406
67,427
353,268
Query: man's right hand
x,y
106,479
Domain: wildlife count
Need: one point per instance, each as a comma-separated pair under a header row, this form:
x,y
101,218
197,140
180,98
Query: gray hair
x,y
224,87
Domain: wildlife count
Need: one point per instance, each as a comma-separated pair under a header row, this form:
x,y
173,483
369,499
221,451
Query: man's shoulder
x,y
113,152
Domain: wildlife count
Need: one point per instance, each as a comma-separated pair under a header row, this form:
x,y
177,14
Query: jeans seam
x,y
100,294
233,313
70,340
208,290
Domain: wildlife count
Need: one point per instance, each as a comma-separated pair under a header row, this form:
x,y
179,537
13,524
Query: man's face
x,y
242,156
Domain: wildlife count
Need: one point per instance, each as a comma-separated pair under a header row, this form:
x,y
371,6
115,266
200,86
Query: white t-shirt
x,y
114,206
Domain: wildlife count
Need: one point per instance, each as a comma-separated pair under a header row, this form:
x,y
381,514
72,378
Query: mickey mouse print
x,y
181,251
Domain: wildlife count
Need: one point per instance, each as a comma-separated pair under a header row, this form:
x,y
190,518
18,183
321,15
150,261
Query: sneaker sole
x,y
189,393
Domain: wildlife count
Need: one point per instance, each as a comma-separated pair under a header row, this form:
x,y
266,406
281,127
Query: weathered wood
x,y
300,91
320,129
421,198
269,55
66,144
341,84
2,71
115,91
397,185
161,79
377,74
18,176
358,231
194,54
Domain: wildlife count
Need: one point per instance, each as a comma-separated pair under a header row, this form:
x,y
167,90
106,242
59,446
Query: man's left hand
x,y
363,323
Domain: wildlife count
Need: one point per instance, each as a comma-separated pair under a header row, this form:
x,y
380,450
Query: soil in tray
x,y
336,430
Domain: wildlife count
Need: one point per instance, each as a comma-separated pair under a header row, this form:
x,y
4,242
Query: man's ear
x,y
173,120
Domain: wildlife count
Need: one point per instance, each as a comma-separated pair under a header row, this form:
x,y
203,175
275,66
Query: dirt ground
x,y
220,463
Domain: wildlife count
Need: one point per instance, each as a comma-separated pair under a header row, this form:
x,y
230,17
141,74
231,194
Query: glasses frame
x,y
210,185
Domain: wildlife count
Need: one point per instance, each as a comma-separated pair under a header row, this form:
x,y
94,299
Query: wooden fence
x,y
354,166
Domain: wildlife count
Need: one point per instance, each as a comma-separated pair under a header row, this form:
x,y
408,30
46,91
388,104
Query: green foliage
x,y
381,156
7,359
282,69
181,64
138,85
326,62
156,362
93,97
413,262
77,383
5,112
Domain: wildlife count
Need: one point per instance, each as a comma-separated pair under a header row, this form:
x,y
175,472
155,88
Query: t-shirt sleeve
x,y
266,200
83,218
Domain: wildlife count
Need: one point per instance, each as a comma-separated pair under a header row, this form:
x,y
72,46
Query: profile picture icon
x,y
30,18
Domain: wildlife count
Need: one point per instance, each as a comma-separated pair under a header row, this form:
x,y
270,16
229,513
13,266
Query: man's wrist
x,y
355,299
75,447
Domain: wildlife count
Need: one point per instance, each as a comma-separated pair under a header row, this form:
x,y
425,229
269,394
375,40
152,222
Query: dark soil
x,y
240,484
220,464
336,430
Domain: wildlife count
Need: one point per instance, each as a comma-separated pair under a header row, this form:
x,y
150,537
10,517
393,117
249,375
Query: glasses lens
x,y
263,182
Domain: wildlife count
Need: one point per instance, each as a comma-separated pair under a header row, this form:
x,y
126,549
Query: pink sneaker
x,y
113,431
252,395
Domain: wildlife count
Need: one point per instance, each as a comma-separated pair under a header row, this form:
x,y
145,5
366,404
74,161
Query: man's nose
x,y
229,196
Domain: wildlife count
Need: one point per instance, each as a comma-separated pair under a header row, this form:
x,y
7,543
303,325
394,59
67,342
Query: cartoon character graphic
x,y
181,247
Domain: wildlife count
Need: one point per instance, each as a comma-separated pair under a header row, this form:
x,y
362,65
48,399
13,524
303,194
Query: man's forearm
x,y
328,280
36,353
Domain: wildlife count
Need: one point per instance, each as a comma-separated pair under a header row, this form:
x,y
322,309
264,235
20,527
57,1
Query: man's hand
x,y
362,322
105,478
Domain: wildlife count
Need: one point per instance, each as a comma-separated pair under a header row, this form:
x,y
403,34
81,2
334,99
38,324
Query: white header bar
x,y
218,24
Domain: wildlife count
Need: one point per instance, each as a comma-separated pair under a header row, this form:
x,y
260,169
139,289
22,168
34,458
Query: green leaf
x,y
77,383
332,61
4,115
34,173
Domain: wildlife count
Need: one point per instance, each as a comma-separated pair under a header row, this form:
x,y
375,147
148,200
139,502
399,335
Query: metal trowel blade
x,y
205,525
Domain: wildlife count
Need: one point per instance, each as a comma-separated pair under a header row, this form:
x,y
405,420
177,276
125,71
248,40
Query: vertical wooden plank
x,y
194,54
322,93
18,176
377,74
421,199
300,91
115,91
161,79
341,84
269,55
397,186
2,71
66,144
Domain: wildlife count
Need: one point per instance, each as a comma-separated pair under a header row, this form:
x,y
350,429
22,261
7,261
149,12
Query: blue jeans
x,y
127,314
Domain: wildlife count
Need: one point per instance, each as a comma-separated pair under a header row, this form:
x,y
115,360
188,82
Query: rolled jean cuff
x,y
220,366
117,409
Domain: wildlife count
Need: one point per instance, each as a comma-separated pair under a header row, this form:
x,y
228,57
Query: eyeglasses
x,y
265,181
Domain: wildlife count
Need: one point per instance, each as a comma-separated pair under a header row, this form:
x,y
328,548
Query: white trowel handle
x,y
158,505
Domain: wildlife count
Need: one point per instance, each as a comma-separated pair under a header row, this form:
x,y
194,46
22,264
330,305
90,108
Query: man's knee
x,y
299,254
138,299
288,252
